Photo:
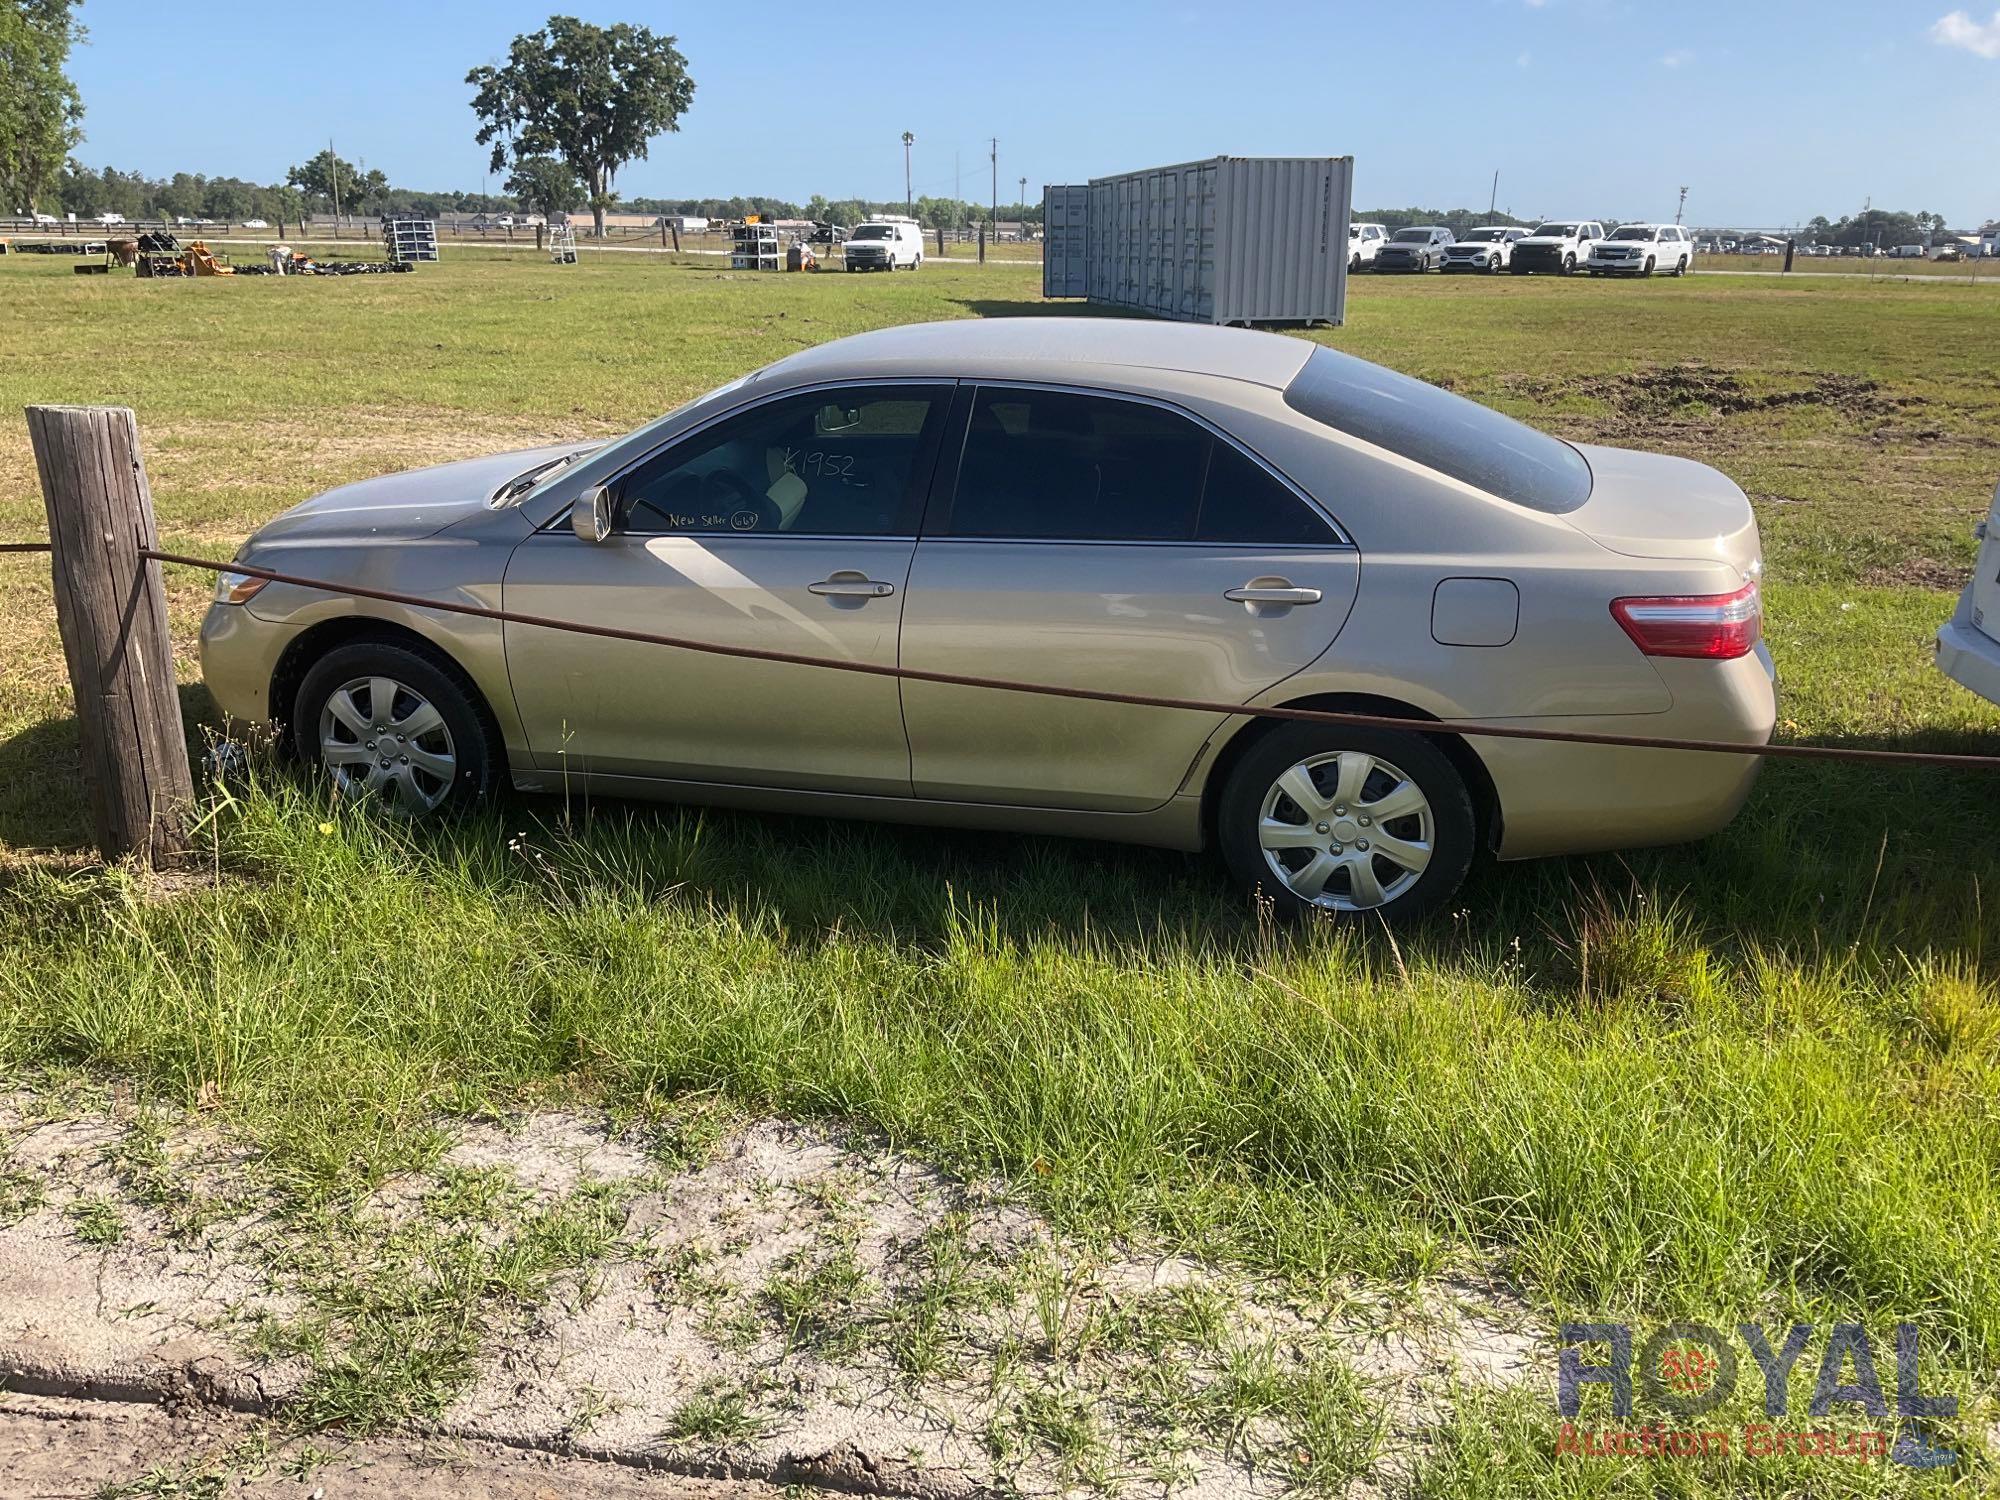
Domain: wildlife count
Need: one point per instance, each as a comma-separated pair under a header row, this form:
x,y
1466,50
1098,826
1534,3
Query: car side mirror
x,y
590,515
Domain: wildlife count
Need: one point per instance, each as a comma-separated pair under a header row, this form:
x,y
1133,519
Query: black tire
x,y
1569,265
473,742
1354,263
1454,833
1647,268
1681,268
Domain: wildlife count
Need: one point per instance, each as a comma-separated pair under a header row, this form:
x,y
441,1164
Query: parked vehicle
x,y
1420,248
1122,505
1364,241
110,219
1486,249
45,219
1968,647
1560,246
1909,252
884,244
1641,249
255,224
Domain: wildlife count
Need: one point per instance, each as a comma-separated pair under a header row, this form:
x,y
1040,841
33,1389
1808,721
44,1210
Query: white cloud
x,y
1959,30
1680,57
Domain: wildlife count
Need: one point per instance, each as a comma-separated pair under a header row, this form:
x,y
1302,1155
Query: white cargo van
x,y
1968,648
885,243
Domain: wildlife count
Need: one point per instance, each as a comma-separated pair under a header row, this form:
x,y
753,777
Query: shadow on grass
x,y
1827,862
43,802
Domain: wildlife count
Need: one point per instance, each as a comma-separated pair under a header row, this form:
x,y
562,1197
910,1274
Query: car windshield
x,y
1557,231
1632,232
1413,236
872,232
1456,437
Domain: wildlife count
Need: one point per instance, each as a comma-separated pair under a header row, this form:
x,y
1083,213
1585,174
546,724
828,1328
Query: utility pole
x,y
994,216
1682,208
1493,197
909,199
333,171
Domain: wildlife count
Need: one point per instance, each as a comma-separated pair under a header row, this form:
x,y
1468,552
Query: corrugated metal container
x,y
1235,239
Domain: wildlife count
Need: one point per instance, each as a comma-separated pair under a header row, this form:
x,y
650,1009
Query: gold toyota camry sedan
x,y
1145,508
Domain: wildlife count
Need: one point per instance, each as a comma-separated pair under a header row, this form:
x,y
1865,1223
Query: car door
x,y
1081,539
785,526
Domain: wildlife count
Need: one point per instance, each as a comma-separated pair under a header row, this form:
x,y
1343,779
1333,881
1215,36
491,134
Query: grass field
x,y
1753,1078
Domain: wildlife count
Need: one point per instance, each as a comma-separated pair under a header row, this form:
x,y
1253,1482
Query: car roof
x,y
1048,348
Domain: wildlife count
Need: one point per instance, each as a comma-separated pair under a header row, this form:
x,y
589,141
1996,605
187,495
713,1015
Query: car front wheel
x,y
394,723
1321,820
1569,264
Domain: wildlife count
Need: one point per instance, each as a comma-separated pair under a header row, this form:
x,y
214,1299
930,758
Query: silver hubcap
x,y
380,735
1346,830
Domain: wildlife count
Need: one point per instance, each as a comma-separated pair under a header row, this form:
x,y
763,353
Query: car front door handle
x,y
851,586
1258,593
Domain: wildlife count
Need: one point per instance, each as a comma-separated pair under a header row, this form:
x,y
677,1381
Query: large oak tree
x,y
591,96
40,110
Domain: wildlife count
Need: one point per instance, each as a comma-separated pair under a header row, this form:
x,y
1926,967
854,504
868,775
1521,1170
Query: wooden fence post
x,y
112,608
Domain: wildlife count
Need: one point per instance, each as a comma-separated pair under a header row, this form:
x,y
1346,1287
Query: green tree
x,y
544,185
327,175
40,109
592,96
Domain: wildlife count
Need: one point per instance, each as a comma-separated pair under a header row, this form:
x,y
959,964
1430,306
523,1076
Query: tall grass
x,y
1618,1113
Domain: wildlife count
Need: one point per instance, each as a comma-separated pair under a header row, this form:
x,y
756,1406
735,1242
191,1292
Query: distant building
x,y
1989,239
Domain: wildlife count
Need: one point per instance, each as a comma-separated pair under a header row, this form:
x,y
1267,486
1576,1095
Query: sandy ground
x,y
53,1449
780,1304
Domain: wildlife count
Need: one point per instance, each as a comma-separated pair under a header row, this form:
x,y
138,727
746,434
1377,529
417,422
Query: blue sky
x,y
1768,110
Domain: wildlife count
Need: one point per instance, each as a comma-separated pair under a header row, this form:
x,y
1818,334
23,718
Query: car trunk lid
x,y
1653,505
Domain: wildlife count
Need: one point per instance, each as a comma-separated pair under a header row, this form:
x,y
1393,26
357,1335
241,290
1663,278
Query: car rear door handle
x,y
852,586
1256,593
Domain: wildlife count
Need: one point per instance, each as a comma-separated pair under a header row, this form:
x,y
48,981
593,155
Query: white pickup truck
x,y
1968,648
1561,245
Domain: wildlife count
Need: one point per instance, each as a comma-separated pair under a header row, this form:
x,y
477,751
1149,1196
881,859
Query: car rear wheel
x,y
1326,821
1354,262
391,723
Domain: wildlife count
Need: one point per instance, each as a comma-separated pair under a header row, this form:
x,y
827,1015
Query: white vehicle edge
x,y
1364,242
1968,646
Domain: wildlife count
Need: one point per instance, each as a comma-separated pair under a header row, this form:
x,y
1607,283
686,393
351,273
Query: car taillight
x,y
1711,627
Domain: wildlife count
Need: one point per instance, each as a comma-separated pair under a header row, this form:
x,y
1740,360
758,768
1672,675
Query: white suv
x,y
1968,648
884,244
1641,249
1561,245
1364,243
1485,249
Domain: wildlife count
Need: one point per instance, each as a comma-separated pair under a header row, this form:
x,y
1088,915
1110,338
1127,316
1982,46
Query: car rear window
x,y
1459,438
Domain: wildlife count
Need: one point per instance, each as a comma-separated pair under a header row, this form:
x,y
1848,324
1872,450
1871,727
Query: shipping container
x,y
1235,239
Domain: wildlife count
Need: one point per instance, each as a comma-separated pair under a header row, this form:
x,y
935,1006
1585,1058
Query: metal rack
x,y
562,244
755,248
410,240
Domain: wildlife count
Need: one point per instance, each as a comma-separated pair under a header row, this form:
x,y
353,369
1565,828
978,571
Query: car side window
x,y
822,463
1243,501
1057,466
